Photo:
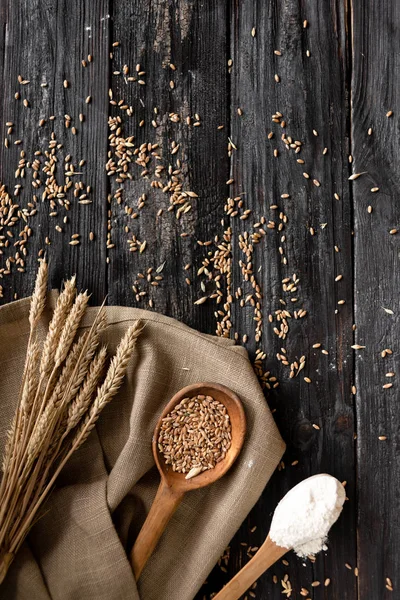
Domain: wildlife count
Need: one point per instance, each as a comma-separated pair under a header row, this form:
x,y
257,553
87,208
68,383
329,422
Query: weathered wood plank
x,y
193,38
375,92
311,94
44,43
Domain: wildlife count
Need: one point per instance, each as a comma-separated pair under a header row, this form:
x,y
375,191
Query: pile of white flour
x,y
305,515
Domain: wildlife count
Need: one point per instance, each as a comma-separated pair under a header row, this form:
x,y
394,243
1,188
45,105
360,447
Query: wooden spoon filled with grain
x,y
196,441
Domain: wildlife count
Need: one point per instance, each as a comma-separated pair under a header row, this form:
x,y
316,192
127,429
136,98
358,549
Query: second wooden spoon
x,y
265,557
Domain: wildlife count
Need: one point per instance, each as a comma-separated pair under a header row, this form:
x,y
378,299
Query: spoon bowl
x,y
237,418
174,485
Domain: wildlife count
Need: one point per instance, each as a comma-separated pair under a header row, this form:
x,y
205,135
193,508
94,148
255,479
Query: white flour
x,y
305,515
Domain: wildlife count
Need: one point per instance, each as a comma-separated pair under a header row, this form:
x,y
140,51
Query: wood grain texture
x,y
376,47
194,39
44,42
351,56
308,101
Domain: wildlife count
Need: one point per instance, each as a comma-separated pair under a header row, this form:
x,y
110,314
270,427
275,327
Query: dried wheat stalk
x,y
63,390
62,308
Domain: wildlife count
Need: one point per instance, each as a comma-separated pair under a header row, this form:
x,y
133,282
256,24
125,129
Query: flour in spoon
x,y
305,515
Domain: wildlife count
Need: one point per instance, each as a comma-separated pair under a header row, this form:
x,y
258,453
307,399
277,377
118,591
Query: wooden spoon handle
x,y
164,505
266,556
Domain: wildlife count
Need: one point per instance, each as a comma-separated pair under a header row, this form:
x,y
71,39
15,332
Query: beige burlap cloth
x,y
78,549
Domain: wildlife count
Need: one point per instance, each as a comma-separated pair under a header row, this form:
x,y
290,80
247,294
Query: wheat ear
x,y
63,306
70,328
81,403
31,379
112,382
39,295
28,393
88,352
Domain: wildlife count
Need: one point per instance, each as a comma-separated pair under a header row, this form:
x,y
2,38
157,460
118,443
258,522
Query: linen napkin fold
x,y
78,548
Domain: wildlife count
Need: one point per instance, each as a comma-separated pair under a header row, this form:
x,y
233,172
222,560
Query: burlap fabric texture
x,y
78,549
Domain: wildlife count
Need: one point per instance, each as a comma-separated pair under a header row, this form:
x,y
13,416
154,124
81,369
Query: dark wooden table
x,y
331,71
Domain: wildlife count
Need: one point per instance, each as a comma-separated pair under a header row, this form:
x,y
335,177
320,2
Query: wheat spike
x,y
70,327
68,370
61,311
112,382
89,351
81,403
116,371
9,446
39,295
32,379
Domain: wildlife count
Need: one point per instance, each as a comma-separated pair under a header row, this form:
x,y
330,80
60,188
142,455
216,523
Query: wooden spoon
x,y
264,558
173,486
